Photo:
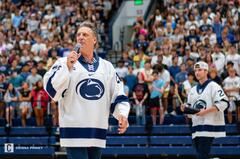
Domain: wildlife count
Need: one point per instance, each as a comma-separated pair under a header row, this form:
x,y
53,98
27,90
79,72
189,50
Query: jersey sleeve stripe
x,y
51,91
119,99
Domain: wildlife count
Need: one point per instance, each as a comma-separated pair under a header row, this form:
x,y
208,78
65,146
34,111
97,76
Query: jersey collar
x,y
201,87
91,67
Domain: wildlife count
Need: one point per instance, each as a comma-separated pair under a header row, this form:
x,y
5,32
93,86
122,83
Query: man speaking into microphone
x,y
88,89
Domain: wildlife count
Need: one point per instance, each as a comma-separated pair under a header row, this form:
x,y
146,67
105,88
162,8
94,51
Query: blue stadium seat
x,y
165,129
168,119
37,140
2,122
33,140
166,140
160,150
26,131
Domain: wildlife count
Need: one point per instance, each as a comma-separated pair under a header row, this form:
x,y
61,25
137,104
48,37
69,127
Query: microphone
x,y
76,49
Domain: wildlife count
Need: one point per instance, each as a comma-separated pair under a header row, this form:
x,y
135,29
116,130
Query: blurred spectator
x,y
231,86
38,46
39,102
16,19
3,88
218,59
141,57
126,59
25,72
131,80
234,57
4,66
214,76
167,57
205,23
40,68
11,99
33,23
226,36
187,85
217,26
193,37
189,65
147,72
16,80
121,70
137,65
225,70
174,69
165,76
25,56
141,43
15,66
158,54
182,75
209,61
25,102
155,104
140,96
33,78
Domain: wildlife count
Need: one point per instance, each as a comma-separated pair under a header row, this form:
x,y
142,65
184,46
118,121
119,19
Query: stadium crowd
x,y
156,65
33,34
167,45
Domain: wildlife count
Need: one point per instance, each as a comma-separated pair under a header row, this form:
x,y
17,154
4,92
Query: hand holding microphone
x,y
73,56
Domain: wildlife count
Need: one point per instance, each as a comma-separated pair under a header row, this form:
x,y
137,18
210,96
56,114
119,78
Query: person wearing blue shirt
x,y
131,80
16,20
157,89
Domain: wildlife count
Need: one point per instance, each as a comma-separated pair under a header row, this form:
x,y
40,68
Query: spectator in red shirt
x,y
39,102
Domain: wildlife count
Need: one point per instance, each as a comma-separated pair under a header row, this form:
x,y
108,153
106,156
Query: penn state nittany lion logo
x,y
90,89
200,104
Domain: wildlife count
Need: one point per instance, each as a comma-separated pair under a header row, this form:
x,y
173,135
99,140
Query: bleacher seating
x,y
172,140
168,140
28,141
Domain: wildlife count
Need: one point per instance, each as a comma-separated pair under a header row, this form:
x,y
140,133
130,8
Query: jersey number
x,y
220,93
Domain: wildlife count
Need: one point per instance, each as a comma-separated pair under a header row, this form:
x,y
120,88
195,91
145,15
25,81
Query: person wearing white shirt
x,y
218,59
165,76
231,86
121,70
38,46
234,57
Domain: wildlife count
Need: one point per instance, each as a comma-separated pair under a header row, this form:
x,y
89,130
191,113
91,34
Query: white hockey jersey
x,y
201,97
86,94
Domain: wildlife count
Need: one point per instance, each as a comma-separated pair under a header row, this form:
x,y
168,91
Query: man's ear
x,y
95,42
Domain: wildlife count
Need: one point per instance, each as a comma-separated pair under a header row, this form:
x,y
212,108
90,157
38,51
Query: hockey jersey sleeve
x,y
220,99
119,101
56,80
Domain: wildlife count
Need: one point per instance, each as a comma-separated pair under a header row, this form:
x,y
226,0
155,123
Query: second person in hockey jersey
x,y
210,99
